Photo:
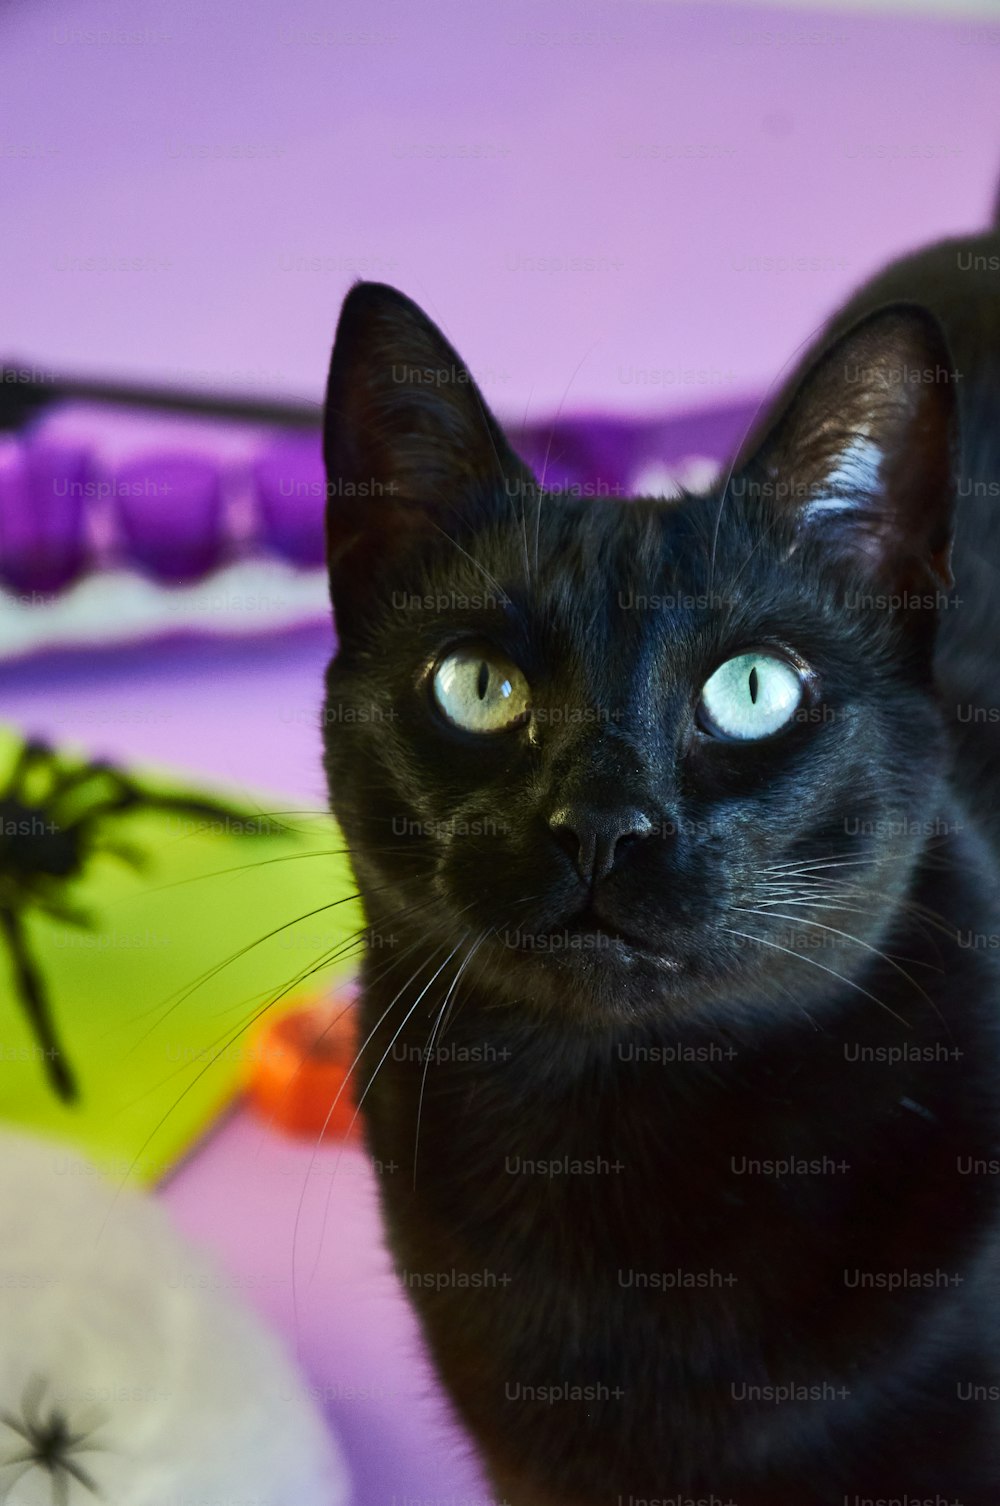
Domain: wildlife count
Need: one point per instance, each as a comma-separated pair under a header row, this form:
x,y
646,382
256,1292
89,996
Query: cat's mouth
x,y
588,939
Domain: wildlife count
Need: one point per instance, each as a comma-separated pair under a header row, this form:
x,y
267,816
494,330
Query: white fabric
x,y
112,1320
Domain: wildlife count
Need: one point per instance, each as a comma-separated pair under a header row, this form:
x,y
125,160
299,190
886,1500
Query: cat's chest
x,y
631,1167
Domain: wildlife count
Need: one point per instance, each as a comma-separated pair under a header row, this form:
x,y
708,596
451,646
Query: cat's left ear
x,y
862,451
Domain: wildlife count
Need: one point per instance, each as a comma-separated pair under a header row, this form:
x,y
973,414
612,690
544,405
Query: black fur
x,y
597,1322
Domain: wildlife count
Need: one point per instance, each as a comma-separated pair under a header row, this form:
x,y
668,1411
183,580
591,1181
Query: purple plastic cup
x,y
168,509
554,456
13,504
43,492
607,450
290,486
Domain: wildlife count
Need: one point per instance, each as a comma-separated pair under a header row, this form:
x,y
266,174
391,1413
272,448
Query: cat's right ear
x,y
410,445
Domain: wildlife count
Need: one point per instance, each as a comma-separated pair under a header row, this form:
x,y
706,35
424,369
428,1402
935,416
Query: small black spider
x,y
47,1442
53,818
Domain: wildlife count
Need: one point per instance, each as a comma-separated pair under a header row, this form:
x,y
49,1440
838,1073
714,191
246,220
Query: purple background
x,y
581,112
839,138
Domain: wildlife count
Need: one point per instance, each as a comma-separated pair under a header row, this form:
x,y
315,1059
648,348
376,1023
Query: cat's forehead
x,y
594,551
592,539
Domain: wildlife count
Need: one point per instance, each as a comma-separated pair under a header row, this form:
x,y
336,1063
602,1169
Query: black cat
x,y
676,827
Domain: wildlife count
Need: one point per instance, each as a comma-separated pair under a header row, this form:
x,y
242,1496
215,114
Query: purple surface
x,y
243,711
273,1209
620,205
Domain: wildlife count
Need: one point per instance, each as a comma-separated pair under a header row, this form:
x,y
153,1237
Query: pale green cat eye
x,y
750,696
480,690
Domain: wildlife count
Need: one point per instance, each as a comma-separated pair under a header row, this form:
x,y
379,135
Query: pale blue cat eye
x,y
480,690
750,696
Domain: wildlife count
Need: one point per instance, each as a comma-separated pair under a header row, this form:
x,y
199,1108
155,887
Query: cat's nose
x,y
595,839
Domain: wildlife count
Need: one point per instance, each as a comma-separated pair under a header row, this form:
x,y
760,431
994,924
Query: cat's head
x,y
641,753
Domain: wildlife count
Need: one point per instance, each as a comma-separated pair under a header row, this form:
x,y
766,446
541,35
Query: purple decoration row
x,y
167,514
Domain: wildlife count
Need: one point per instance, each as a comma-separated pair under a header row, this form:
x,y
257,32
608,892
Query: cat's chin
x,y
601,969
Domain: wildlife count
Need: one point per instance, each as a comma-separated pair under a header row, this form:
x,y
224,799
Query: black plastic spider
x,y
47,1442
52,820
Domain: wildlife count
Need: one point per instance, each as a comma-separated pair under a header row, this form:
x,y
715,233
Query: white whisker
x,y
812,960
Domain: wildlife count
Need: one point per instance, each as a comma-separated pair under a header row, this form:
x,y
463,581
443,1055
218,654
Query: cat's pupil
x,y
484,680
753,685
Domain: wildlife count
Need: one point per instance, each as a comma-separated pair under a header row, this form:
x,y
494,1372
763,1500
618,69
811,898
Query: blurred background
x,y
628,216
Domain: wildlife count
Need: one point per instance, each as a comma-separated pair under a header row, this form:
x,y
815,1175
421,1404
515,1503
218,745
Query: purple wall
x,y
247,161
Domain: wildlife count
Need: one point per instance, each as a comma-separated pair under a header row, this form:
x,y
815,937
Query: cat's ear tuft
x,y
862,451
409,443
